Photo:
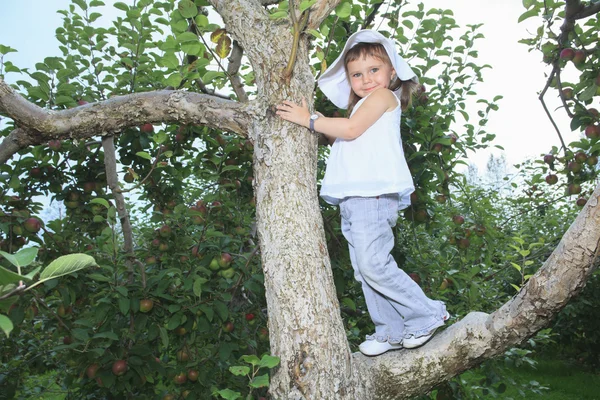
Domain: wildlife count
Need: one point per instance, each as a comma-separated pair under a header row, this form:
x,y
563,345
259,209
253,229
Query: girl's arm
x,y
378,102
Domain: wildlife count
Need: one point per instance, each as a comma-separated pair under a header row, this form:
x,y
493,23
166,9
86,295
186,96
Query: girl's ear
x,y
393,74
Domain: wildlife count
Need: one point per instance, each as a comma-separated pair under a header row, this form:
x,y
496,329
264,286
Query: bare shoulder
x,y
383,96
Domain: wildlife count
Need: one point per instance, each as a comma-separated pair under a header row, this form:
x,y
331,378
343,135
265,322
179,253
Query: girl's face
x,y
369,73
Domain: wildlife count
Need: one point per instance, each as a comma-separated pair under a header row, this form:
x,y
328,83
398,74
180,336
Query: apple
x,y
91,370
163,246
592,160
183,355
67,340
579,57
463,243
165,231
263,334
581,201
180,331
227,273
480,230
549,158
249,316
180,138
216,204
221,140
458,219
225,260
185,393
119,367
437,147
574,166
567,54
17,229
415,277
151,260
214,265
146,305
573,188
192,375
35,173
421,215
440,198
445,283
147,128
580,157
228,326
55,145
32,225
592,131
128,177
180,379
551,179
568,93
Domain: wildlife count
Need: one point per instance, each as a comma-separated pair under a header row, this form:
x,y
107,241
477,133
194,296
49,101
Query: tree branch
x,y
319,11
235,62
588,11
477,337
113,115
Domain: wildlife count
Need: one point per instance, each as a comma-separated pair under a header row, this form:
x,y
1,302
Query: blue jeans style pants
x,y
397,305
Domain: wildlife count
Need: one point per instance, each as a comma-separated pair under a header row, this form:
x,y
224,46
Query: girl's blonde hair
x,y
376,50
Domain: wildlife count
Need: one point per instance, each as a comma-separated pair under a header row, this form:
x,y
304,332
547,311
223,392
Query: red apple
x,y
458,219
574,166
592,131
147,128
415,277
54,145
32,225
592,160
581,201
165,231
249,317
119,367
579,57
567,54
35,172
228,326
463,243
180,379
91,370
192,375
551,179
82,102
146,305
183,355
225,260
573,188
580,157
548,158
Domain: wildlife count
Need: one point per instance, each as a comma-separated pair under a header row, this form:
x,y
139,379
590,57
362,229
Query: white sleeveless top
x,y
370,165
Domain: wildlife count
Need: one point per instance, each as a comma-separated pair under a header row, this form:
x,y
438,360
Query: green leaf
x,y
23,257
221,310
306,4
101,201
164,336
229,394
8,277
106,335
528,14
588,93
121,6
144,155
239,370
278,15
67,265
197,288
268,361
187,37
344,10
187,9
260,381
6,324
6,49
170,60
124,305
174,80
251,359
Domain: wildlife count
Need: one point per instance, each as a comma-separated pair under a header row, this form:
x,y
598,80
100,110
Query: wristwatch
x,y
313,118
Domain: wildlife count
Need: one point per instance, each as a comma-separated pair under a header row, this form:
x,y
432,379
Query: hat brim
x,y
334,82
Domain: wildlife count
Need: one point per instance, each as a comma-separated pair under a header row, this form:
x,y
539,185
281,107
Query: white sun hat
x,y
334,82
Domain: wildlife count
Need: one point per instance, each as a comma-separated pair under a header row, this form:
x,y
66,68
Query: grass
x,y
551,379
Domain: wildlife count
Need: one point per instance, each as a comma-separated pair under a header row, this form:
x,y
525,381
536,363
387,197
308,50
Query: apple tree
x,y
158,134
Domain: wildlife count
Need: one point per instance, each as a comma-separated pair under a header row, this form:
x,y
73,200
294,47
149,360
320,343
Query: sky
x,y
521,125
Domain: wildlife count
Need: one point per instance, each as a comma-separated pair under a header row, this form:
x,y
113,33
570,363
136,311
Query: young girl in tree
x,y
367,176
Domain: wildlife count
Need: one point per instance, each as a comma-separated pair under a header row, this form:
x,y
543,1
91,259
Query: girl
x,y
368,177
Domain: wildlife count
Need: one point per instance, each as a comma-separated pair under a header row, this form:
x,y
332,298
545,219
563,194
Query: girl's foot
x,y
373,347
412,342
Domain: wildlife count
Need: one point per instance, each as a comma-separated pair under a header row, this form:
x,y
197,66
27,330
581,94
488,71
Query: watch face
x,y
314,116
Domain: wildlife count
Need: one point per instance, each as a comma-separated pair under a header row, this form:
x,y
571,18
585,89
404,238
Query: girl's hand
x,y
298,114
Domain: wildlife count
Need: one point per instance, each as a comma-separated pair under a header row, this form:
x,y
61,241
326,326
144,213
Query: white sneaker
x,y
372,347
412,342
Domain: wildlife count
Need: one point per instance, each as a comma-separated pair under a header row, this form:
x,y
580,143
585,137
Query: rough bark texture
x,y
114,115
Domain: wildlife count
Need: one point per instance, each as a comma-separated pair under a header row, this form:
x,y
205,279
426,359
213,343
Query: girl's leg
x,y
380,309
370,229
